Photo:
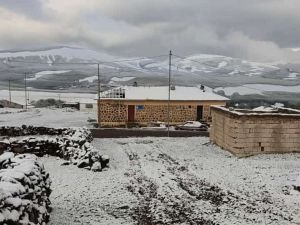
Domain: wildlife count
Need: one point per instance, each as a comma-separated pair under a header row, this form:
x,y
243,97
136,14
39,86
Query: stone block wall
x,y
115,112
112,113
246,134
178,113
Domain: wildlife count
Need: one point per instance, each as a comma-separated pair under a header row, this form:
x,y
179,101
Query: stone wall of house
x,y
250,134
115,113
178,113
112,113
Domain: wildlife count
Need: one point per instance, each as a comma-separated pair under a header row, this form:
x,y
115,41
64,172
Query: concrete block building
x,y
247,133
140,105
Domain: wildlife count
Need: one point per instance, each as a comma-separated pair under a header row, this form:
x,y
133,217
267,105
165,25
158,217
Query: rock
x,y
297,184
124,207
66,163
95,156
104,161
96,167
83,163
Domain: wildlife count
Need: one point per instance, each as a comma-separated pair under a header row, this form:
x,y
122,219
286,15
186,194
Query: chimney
x,y
202,87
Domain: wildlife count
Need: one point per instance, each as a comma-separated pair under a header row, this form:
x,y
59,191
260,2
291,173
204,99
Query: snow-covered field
x,y
45,117
48,72
166,181
119,80
18,96
249,89
176,181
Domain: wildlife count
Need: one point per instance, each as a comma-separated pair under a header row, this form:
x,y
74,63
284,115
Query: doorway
x,y
199,112
131,113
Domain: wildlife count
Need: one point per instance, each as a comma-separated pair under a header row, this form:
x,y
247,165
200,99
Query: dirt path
x,y
175,181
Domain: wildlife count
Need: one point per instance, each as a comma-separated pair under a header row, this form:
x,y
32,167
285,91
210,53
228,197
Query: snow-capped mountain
x,y
66,67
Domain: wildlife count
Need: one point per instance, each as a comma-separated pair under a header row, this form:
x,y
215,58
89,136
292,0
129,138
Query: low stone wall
x,y
30,130
24,190
246,134
73,145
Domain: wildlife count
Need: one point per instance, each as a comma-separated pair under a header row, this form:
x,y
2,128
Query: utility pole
x,y
99,105
169,91
9,91
25,89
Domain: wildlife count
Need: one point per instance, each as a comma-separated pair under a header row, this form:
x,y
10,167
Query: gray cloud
x,y
253,29
30,8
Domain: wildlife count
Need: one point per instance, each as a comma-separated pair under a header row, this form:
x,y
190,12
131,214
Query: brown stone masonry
x,y
115,112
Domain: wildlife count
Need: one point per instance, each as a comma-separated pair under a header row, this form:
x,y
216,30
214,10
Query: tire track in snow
x,y
159,204
180,197
240,205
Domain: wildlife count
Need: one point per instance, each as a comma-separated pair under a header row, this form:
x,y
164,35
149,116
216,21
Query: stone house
x,y
89,106
245,133
141,105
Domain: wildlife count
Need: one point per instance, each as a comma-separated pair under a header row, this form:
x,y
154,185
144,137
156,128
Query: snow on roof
x,y
161,93
264,109
282,111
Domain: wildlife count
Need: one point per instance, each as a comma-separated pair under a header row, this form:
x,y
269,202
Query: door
x,y
131,112
199,112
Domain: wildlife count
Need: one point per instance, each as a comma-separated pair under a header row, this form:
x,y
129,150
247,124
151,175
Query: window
x,y
140,107
89,106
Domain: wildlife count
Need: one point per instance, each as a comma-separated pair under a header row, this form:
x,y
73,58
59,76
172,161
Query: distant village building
x,y
89,105
140,105
245,132
74,105
7,104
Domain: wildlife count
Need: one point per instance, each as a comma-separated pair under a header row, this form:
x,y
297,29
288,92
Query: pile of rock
x,y
24,190
73,144
30,130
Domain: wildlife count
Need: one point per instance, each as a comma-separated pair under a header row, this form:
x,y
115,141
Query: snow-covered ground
x,y
166,181
249,89
90,79
44,73
18,96
119,80
45,117
176,181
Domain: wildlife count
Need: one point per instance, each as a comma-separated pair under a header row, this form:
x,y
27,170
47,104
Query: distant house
x,y
7,104
141,104
89,105
74,105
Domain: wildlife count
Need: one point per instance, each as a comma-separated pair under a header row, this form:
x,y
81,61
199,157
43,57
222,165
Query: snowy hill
x,y
51,55
73,68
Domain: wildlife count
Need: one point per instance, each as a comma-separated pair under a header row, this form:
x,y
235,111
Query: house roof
x,y
161,93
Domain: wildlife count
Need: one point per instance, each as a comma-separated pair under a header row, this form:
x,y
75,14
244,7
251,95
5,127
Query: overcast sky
x,y
250,29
